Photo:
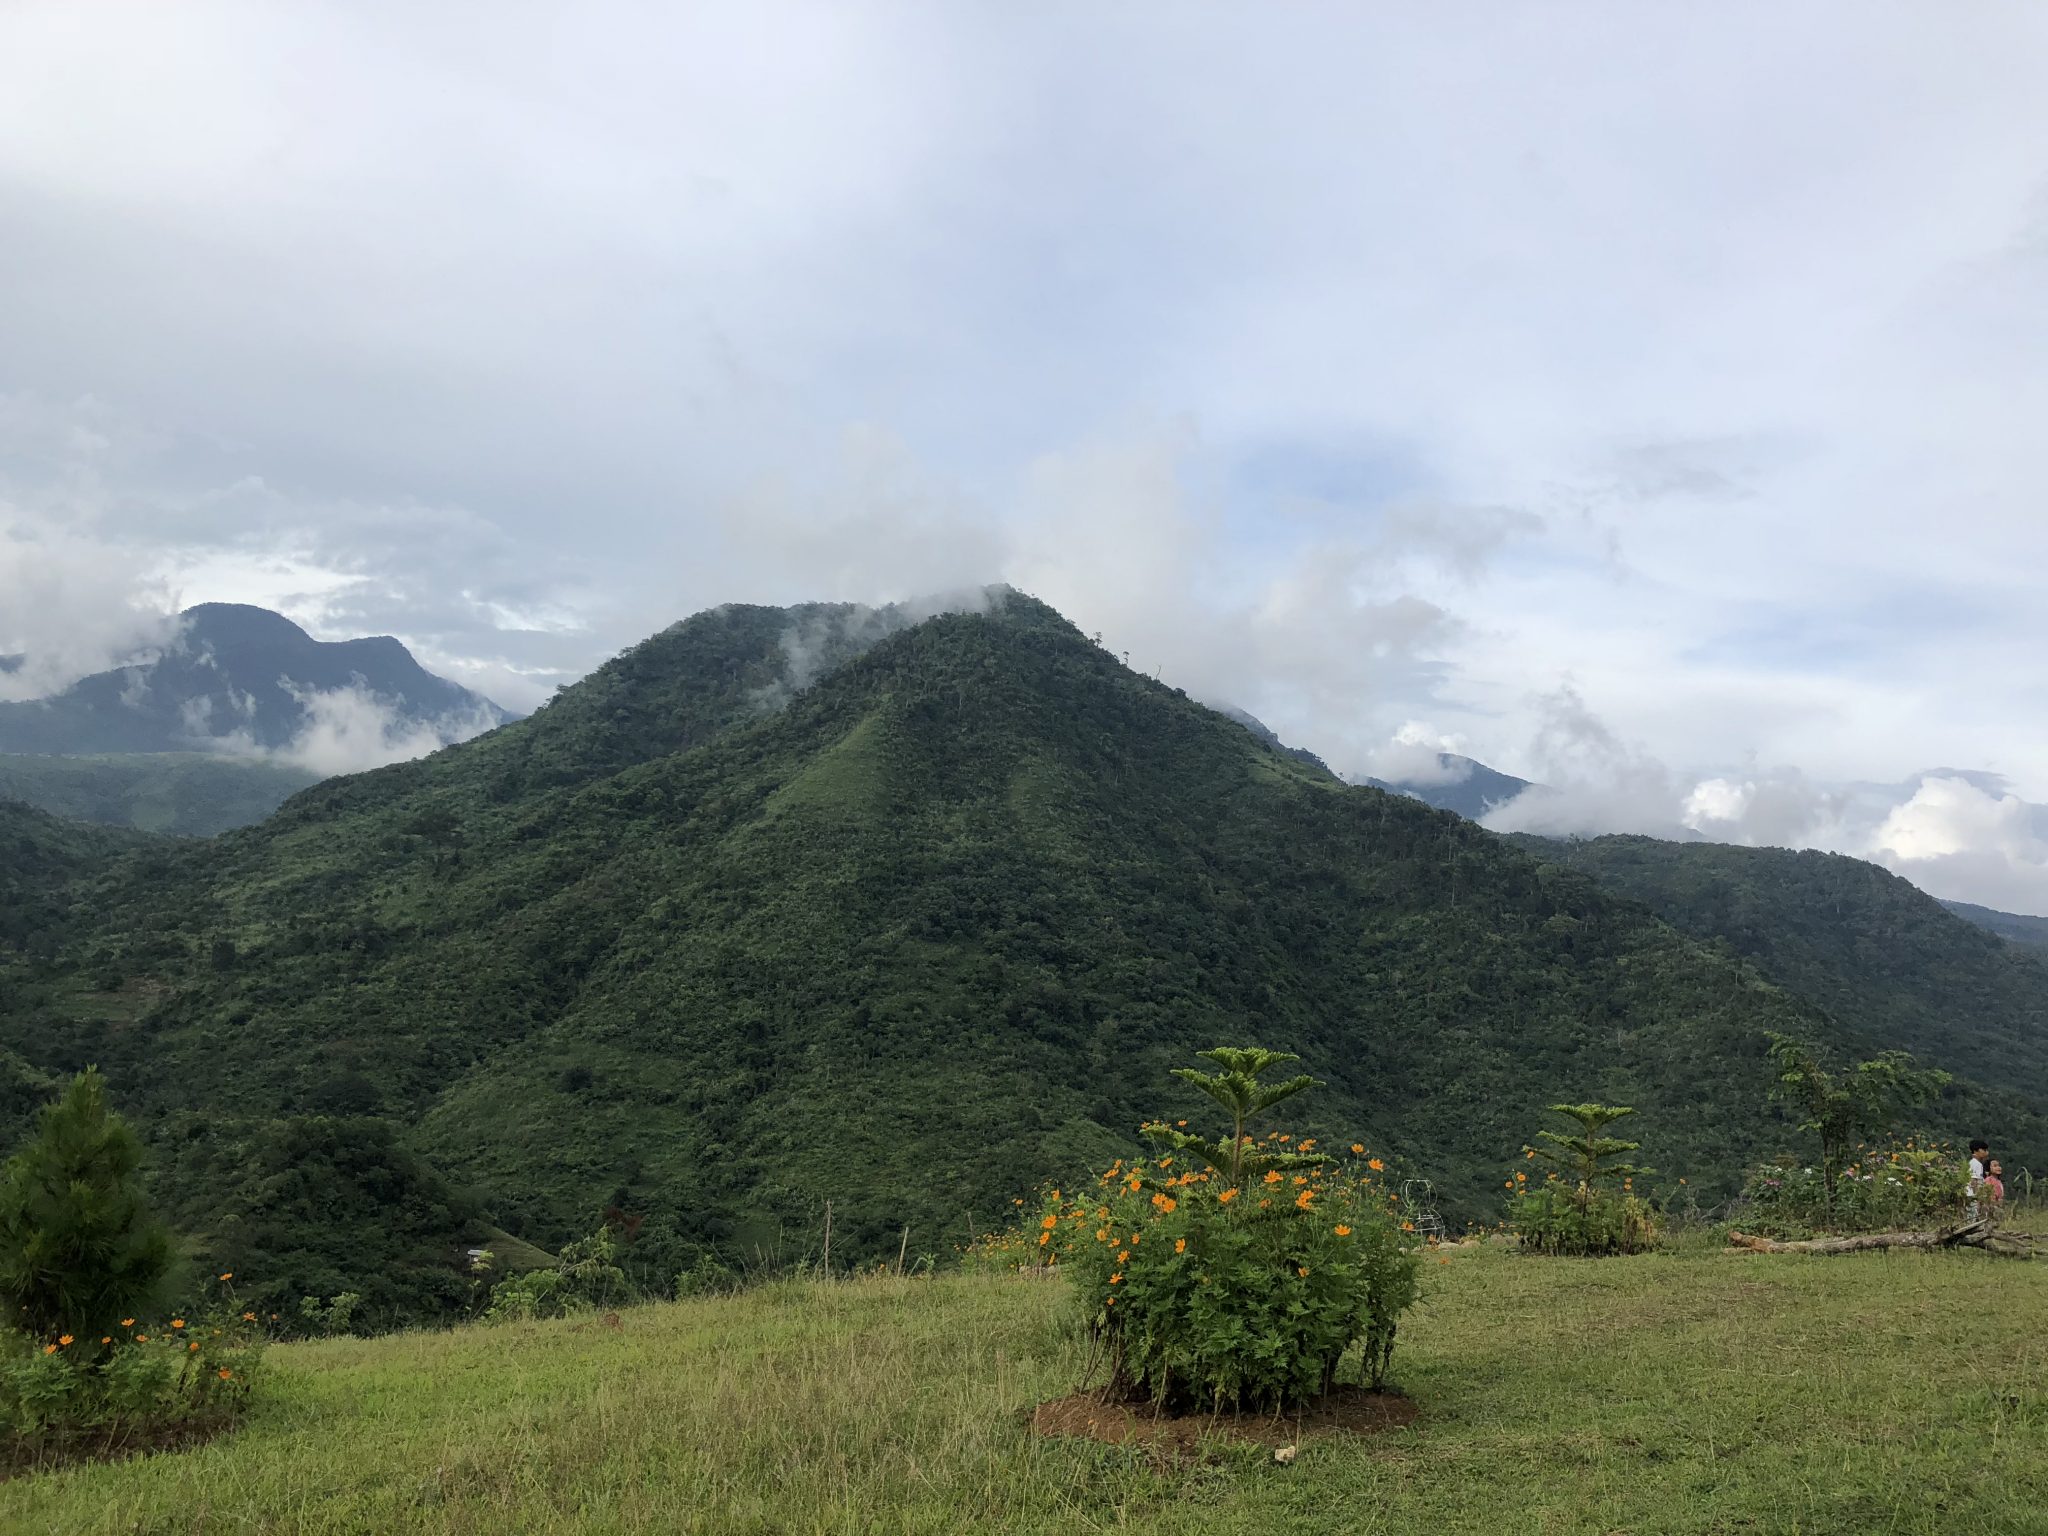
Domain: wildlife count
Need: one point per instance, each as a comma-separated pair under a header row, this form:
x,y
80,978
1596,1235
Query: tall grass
x,y
1688,1393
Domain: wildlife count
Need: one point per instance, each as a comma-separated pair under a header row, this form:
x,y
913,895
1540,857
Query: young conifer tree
x,y
79,1249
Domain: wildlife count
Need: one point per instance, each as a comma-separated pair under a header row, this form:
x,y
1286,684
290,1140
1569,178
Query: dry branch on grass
x,y
1982,1233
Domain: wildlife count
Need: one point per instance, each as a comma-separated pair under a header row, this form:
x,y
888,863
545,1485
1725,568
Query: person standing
x,y
1980,1165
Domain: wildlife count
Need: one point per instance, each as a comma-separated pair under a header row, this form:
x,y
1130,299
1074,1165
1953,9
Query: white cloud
x,y
349,730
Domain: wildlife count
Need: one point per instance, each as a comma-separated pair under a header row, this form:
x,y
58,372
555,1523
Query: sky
x,y
1644,400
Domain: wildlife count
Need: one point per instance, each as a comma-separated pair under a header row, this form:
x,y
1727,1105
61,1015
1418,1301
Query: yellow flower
x,y
1343,1231
1375,1165
1180,1245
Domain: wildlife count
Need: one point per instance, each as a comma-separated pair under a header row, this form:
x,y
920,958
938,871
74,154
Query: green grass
x,y
1699,1391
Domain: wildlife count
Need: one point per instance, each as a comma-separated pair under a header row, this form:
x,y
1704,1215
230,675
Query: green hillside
x,y
934,928
1877,952
2015,926
193,794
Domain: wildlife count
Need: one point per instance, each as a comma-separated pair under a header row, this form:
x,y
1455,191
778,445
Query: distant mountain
x,y
190,794
1888,961
770,911
241,677
1460,784
2013,926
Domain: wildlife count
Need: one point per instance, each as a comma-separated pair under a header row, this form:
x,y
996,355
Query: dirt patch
x,y
20,1457
1182,1437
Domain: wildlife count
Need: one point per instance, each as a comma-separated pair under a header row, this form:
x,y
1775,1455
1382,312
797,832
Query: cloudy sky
x,y
1643,399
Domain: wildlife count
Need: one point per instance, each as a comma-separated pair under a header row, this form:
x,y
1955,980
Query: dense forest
x,y
190,794
704,947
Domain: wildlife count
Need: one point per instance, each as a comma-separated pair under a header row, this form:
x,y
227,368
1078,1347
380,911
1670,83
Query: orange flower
x,y
1124,1257
1301,1200
1303,1271
1117,1278
192,1347
1109,1301
1343,1231
1167,1205
1307,1144
248,1317
1527,1153
127,1322
107,1338
1358,1149
65,1340
1375,1165
224,1373
1407,1226
177,1322
1180,1245
1182,1123
1272,1176
1044,1238
229,1275
49,1349
1050,1222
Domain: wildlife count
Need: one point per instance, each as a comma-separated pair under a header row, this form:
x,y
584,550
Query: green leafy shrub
x,y
586,1276
1892,1186
1232,1272
706,1277
1586,1204
1866,1099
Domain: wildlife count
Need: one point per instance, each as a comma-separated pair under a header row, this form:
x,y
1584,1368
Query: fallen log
x,y
1982,1233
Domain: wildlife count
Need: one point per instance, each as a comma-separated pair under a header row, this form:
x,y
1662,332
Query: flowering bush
x,y
1892,1186
132,1384
1586,1204
1235,1272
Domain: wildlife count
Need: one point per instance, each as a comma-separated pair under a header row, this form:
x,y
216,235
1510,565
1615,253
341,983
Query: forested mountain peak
x,y
710,947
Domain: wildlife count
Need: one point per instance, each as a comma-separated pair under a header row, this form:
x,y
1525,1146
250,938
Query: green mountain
x,y
2015,926
1884,958
191,794
242,674
709,947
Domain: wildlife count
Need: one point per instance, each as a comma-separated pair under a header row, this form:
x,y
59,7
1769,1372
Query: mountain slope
x,y
1877,952
1461,785
2015,926
238,674
938,927
189,794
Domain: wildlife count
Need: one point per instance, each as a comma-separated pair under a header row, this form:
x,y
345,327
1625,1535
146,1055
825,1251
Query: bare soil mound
x,y
1181,1436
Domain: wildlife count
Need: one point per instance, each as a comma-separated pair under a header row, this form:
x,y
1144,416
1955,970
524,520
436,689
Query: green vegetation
x,y
1892,1186
1586,1205
1893,967
1217,1280
1680,1393
78,1245
82,1262
190,794
1869,1099
707,949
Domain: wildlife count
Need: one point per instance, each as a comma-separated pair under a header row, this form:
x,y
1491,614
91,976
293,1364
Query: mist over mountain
x,y
245,681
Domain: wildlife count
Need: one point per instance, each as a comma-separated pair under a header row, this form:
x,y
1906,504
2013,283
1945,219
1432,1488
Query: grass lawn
x,y
1687,1392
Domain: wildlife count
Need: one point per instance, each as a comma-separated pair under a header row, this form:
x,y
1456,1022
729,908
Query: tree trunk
x,y
1982,1233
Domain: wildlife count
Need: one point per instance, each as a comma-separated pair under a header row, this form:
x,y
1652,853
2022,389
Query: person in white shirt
x,y
1980,1161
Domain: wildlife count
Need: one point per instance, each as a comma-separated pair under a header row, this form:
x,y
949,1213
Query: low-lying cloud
x,y
351,730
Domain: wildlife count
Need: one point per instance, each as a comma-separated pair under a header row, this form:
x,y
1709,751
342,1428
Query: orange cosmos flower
x,y
106,1338
1303,1271
1376,1165
1358,1149
224,1373
1343,1231
177,1322
1117,1278
65,1341
49,1349
1180,1245
1272,1177
229,1275
127,1322
1226,1197
248,1317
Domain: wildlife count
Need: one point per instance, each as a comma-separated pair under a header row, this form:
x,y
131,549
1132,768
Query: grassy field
x,y
1688,1392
